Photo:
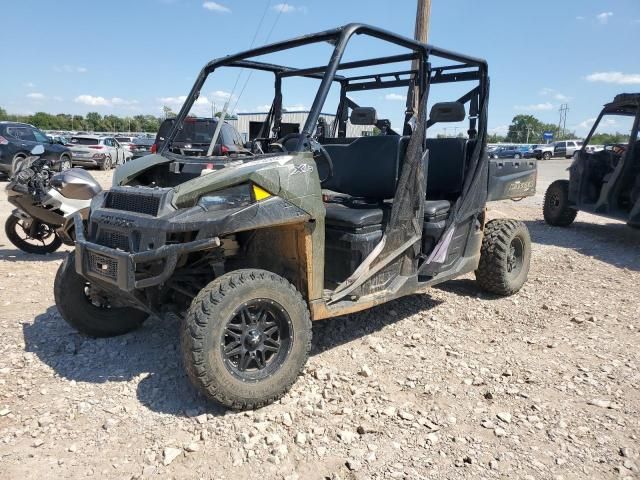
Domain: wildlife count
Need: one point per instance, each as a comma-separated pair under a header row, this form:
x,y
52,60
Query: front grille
x,y
133,202
111,239
103,266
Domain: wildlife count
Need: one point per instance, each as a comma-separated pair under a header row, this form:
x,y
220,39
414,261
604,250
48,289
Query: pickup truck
x,y
562,148
544,151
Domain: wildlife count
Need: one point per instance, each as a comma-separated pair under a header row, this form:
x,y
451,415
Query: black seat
x,y
368,167
436,208
353,218
447,162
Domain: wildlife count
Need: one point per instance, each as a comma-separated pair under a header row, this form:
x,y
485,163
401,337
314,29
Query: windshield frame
x,y
421,78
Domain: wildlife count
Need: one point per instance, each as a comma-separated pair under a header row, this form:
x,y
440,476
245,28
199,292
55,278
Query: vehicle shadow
x,y
614,243
16,255
333,332
150,357
466,287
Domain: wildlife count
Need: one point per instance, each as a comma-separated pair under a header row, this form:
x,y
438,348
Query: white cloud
x,y
296,107
606,124
536,107
499,130
92,100
122,101
395,97
216,7
30,85
604,17
98,101
615,77
550,92
288,8
173,101
70,69
220,95
36,96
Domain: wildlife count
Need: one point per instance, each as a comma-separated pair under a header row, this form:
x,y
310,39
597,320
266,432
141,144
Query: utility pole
x,y
562,123
421,34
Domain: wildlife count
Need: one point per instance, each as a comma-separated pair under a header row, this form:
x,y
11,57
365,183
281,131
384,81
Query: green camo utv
x,y
342,216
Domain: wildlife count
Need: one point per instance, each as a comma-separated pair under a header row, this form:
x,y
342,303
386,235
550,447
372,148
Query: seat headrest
x,y
364,116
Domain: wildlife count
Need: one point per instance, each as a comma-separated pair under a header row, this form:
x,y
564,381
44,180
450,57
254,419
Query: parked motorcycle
x,y
44,202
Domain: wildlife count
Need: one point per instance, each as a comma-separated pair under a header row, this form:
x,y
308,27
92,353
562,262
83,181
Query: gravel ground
x,y
450,384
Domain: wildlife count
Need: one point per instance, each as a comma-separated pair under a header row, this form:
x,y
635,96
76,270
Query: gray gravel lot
x,y
450,384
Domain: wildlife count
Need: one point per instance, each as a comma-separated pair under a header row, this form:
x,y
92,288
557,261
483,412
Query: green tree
x,y
3,114
168,113
94,121
609,138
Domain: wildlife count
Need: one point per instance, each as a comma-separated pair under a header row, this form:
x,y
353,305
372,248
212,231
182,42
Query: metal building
x,y
249,124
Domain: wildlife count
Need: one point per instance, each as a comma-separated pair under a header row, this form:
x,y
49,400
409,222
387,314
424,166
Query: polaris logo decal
x,y
301,168
519,186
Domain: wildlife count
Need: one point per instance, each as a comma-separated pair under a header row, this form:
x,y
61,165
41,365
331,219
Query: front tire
x,y
87,315
246,338
65,163
505,257
46,242
517,156
546,155
556,209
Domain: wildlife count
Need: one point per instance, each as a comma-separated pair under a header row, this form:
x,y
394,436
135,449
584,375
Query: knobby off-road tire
x,y
231,319
556,209
504,257
79,311
11,227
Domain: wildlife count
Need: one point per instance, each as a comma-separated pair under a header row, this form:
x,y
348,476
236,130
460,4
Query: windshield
x,y
84,141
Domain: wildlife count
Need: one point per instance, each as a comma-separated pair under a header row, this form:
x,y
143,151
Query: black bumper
x,y
118,268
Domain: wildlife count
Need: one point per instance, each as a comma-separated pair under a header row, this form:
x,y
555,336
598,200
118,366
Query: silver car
x,y
97,151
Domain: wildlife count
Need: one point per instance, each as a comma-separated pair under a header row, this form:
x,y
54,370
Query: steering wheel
x,y
320,152
281,144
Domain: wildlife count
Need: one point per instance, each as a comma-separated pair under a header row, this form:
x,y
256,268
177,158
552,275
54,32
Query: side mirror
x,y
37,150
447,112
248,145
363,116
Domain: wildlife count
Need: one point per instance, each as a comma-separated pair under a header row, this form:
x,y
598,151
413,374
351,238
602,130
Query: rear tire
x,y
11,227
246,338
556,209
505,257
517,156
77,309
106,165
15,164
65,163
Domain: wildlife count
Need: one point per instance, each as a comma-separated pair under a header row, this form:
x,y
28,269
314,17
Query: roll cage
x,y
417,79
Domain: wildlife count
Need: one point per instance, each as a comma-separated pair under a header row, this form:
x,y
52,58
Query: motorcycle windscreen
x,y
512,178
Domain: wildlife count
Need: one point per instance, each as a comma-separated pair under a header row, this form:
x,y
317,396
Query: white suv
x,y
561,148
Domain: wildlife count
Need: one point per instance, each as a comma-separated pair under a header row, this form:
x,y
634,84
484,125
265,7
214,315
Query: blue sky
x,y
131,57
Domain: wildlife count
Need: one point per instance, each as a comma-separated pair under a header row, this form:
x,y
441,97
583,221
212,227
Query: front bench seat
x,y
342,216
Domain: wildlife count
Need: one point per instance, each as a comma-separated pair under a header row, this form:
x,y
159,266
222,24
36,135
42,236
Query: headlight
x,y
233,197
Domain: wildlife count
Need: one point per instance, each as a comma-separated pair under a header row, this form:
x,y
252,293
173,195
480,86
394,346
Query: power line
x,y
251,71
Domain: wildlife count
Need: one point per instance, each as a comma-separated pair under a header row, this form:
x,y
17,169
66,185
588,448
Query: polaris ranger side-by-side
x,y
316,224
602,182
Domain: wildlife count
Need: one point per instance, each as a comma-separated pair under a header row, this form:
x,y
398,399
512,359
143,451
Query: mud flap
x,y
512,178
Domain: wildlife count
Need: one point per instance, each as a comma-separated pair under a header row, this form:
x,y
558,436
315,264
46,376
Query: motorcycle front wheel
x,y
43,240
